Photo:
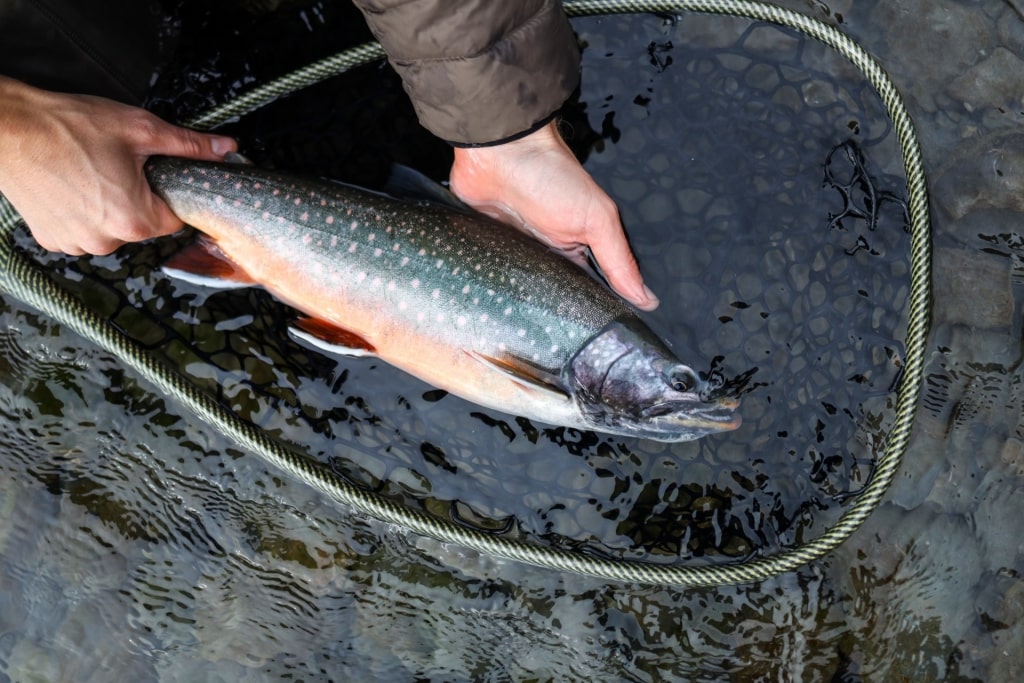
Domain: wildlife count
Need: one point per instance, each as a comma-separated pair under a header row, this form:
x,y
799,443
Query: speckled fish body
x,y
452,297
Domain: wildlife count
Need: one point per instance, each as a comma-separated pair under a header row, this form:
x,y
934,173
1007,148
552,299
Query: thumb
x,y
620,269
163,221
176,141
611,251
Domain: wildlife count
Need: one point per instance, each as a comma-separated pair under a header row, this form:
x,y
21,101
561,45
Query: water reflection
x,y
138,541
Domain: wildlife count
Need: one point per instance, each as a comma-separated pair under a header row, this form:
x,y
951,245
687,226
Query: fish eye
x,y
682,379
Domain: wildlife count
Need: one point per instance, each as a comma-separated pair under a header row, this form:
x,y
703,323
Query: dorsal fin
x,y
408,183
236,158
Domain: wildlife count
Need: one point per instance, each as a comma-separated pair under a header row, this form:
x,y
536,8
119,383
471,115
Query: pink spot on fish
x,y
352,248
330,220
306,239
304,216
257,204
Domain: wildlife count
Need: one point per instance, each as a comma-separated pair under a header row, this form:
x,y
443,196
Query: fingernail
x,y
222,146
652,300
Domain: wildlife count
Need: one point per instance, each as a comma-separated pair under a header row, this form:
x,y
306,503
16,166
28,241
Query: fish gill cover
x,y
755,177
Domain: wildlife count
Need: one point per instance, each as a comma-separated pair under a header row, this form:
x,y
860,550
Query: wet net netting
x,y
761,181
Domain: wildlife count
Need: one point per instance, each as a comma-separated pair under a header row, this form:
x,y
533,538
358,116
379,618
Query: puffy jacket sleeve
x,y
479,71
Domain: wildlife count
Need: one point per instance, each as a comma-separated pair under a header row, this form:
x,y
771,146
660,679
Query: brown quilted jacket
x,y
479,71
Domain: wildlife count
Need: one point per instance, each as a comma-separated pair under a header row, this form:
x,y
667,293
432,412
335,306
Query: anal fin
x,y
331,338
203,263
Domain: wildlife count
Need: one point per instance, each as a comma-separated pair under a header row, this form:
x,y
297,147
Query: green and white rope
x,y
23,280
289,83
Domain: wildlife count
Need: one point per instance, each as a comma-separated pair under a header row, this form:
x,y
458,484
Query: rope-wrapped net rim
x,y
25,281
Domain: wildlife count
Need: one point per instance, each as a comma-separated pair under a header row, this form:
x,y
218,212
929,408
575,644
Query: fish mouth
x,y
717,416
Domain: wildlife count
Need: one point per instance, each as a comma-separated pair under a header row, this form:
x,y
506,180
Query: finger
x,y
49,243
167,223
173,140
86,241
616,260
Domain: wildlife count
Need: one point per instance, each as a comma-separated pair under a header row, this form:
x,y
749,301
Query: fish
x,y
465,303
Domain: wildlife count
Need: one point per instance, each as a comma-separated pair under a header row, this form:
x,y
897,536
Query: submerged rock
x,y
983,174
966,273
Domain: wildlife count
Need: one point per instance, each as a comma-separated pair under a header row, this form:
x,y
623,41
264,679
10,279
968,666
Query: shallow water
x,y
136,540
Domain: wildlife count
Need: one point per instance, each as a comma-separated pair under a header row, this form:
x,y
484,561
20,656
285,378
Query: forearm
x,y
478,71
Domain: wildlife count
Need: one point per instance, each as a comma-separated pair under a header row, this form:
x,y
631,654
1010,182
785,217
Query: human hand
x,y
536,183
72,167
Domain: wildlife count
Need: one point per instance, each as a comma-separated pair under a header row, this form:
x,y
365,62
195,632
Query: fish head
x,y
626,381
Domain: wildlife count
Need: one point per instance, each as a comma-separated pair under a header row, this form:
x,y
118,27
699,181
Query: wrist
x,y
545,137
13,92
19,104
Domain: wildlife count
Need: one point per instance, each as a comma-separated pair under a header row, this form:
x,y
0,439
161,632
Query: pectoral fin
x,y
523,373
203,263
331,338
